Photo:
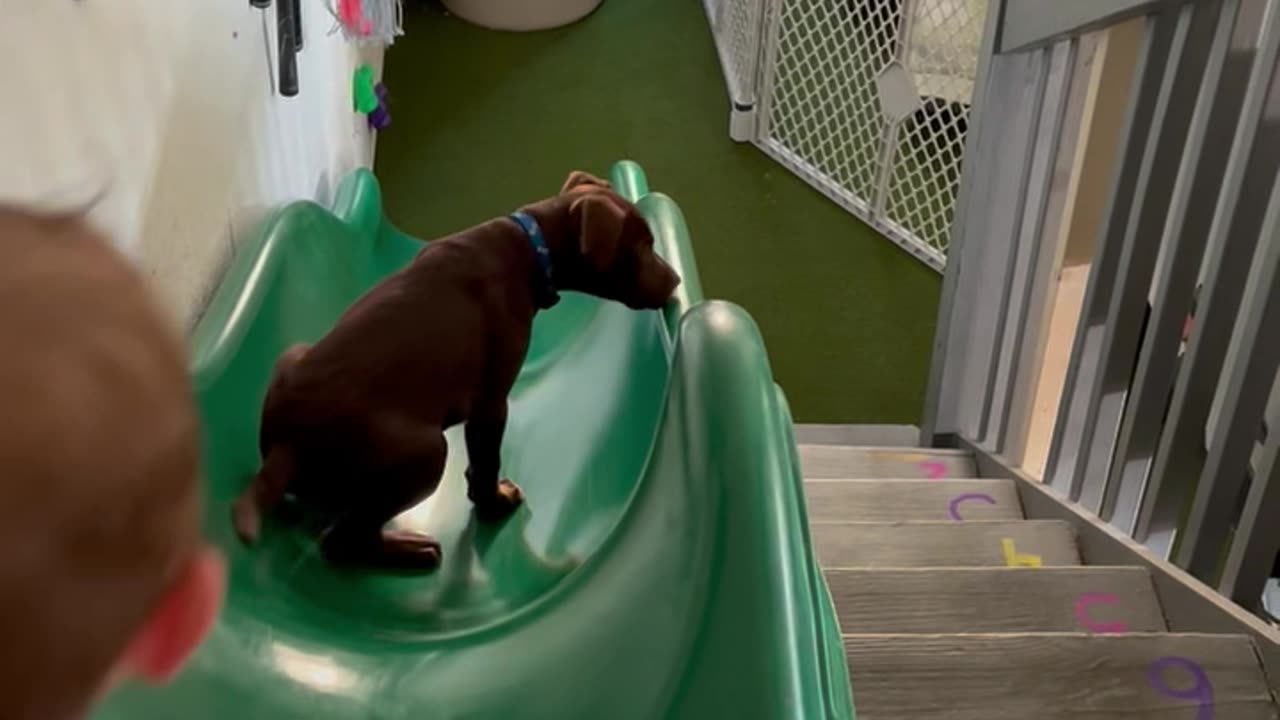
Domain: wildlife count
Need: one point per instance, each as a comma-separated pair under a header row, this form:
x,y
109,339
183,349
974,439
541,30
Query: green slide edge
x,y
703,599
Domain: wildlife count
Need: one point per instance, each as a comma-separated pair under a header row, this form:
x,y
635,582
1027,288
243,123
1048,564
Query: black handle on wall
x,y
260,4
288,51
296,11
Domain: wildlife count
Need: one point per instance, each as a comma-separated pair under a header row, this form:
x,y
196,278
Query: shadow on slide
x,y
661,568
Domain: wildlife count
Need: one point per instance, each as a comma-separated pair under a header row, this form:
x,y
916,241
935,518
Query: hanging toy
x,y
370,21
370,98
380,117
364,98
351,15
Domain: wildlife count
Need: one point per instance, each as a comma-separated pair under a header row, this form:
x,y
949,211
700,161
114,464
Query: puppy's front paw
x,y
246,520
502,503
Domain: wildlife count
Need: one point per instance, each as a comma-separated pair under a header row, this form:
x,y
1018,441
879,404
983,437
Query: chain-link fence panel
x,y
942,43
735,25
821,116
868,100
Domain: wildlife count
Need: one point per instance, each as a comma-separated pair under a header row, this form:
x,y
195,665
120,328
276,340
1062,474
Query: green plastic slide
x,y
661,568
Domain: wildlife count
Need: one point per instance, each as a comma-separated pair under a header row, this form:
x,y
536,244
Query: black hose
x,y
296,11
288,52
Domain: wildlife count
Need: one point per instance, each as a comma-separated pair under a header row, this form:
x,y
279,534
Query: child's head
x,y
103,574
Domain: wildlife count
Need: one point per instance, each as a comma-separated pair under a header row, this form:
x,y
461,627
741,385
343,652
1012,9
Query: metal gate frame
x,y
736,26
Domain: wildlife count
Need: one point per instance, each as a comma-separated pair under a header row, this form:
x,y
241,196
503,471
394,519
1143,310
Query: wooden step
x,y
944,544
889,500
874,435
866,463
996,600
1051,676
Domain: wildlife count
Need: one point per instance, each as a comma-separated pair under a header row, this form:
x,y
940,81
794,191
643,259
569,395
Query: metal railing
x,y
1165,440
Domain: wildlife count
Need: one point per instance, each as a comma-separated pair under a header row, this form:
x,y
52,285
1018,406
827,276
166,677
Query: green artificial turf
x,y
485,121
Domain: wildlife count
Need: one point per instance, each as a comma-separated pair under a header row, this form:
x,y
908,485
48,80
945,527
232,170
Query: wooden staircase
x,y
954,605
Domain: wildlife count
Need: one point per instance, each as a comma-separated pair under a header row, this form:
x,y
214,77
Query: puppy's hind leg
x,y
494,498
263,494
275,425
407,473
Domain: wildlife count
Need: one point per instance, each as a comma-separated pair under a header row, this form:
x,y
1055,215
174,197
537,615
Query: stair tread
x,y
890,480
1016,676
857,434
977,543
878,500
849,461
995,599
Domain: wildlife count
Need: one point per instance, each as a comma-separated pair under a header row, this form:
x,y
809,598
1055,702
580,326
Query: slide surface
x,y
661,568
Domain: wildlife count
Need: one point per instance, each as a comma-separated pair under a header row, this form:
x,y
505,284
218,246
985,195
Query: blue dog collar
x,y
544,290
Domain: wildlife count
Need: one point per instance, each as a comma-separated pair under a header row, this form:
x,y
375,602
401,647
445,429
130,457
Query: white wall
x,y
86,89
162,117
235,148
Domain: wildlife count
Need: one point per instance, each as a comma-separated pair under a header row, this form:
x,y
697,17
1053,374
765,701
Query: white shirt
x,y
86,91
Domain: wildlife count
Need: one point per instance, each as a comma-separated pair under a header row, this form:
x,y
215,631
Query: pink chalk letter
x,y
1097,598
936,470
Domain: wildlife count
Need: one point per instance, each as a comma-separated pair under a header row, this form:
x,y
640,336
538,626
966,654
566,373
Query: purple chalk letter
x,y
1201,692
954,506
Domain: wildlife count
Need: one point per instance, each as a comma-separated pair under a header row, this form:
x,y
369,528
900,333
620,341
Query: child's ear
x,y
180,622
600,224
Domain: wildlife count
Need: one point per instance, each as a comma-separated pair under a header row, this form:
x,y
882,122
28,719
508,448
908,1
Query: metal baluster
x,y
1086,373
1018,87
1009,193
1232,236
1254,356
948,376
1032,242
1144,231
1033,341
1257,537
1183,245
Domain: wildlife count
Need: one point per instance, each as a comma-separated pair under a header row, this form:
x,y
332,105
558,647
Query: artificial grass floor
x,y
485,121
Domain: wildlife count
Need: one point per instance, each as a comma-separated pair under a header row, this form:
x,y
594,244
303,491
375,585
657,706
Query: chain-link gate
x,y
867,100
735,24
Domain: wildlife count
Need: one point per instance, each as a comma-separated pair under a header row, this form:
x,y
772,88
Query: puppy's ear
x,y
577,179
600,225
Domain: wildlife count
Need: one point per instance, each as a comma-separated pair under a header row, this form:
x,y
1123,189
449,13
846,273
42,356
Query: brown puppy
x,y
353,426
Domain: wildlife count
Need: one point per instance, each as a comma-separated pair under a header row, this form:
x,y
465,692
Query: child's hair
x,y
99,462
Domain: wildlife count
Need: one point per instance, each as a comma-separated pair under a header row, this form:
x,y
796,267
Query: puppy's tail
x,y
263,494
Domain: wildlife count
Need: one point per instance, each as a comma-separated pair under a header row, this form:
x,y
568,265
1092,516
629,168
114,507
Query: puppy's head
x,y
615,247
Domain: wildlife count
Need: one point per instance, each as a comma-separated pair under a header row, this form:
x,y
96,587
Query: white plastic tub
x,y
521,15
